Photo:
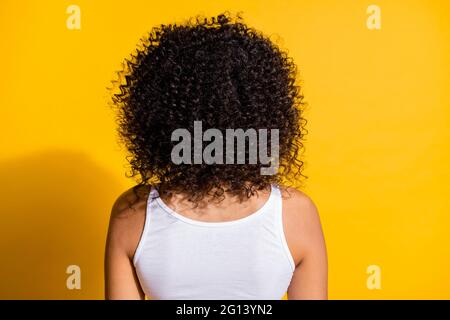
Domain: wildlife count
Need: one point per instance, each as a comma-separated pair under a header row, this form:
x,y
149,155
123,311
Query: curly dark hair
x,y
223,73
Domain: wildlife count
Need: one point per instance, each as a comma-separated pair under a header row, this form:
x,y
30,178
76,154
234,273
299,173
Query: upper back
x,y
180,256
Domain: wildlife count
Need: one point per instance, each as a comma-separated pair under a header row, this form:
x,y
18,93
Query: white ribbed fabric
x,y
181,258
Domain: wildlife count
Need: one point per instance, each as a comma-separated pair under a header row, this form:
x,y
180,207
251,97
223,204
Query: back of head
x,y
219,72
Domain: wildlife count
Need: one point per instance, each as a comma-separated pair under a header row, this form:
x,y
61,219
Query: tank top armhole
x,y
145,228
284,243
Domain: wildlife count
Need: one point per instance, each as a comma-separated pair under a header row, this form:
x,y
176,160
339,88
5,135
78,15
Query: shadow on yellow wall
x,y
55,213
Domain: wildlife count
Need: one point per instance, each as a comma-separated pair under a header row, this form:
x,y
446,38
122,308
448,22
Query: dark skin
x,y
301,224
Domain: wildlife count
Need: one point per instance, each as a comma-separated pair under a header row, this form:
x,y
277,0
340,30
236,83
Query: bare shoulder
x,y
127,219
298,205
301,223
130,202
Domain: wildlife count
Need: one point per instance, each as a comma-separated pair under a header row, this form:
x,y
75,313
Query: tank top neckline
x,y
247,218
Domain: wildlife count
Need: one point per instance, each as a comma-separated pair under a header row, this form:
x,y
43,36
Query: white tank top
x,y
181,258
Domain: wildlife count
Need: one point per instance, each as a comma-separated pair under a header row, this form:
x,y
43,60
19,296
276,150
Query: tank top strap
x,y
278,223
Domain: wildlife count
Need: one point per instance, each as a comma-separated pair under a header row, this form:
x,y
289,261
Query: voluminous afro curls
x,y
223,73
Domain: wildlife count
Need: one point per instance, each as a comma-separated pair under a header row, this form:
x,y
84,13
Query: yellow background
x,y
377,151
